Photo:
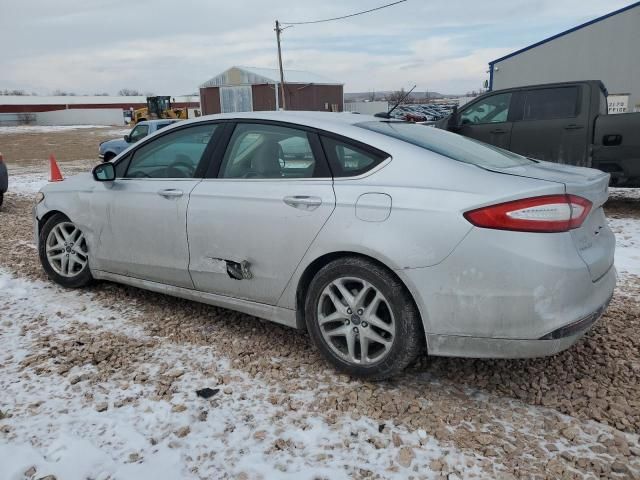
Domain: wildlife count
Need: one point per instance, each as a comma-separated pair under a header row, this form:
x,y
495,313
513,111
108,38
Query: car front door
x,y
144,210
552,125
488,120
250,226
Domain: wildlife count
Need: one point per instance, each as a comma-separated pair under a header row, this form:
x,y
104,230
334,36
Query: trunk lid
x,y
594,240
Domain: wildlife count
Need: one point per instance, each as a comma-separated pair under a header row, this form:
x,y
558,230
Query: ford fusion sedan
x,y
384,240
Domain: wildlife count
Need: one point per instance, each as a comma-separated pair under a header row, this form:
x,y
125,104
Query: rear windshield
x,y
456,147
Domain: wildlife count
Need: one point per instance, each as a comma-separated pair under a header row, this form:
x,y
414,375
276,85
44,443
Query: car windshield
x,y
456,147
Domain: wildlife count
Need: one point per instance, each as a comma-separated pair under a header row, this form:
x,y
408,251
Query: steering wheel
x,y
187,166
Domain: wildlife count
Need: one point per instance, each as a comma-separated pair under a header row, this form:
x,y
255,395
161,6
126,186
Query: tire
x,y
73,274
401,330
108,157
1,198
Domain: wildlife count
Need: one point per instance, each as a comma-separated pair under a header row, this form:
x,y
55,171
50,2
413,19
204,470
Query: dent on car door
x,y
143,212
488,120
250,226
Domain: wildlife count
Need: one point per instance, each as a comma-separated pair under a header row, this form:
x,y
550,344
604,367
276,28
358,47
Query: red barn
x,y
247,89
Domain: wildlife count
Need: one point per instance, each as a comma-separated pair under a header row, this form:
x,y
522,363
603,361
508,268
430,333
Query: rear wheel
x,y
362,319
64,253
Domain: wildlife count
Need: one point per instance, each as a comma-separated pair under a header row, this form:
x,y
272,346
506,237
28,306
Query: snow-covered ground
x,y
46,128
76,429
65,417
627,231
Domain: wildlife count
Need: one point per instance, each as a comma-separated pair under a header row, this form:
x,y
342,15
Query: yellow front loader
x,y
158,107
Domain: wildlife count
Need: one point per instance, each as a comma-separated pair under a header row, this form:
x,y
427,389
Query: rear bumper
x,y
480,347
508,294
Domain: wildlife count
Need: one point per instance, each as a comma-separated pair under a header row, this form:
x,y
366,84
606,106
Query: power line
x,y
345,16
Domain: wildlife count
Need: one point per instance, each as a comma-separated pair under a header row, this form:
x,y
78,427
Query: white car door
x,y
144,232
271,197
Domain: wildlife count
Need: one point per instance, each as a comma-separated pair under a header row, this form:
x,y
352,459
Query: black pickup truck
x,y
559,122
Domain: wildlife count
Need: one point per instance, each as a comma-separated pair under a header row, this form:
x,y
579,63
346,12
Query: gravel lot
x,y
101,383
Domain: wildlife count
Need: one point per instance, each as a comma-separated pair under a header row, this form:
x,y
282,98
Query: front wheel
x,y
64,253
362,319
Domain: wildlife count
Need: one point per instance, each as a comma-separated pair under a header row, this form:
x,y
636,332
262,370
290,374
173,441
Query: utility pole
x,y
278,31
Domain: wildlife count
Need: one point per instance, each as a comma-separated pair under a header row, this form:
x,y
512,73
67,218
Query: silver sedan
x,y
383,239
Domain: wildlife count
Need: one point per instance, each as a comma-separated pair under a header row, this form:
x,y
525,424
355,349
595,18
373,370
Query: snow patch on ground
x,y
27,183
28,180
619,193
46,128
55,424
627,231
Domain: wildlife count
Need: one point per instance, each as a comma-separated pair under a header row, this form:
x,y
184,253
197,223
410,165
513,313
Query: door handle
x,y
498,130
303,202
170,193
573,126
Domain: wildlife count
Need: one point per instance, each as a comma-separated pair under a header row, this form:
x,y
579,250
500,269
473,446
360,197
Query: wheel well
x,y
315,266
108,156
45,218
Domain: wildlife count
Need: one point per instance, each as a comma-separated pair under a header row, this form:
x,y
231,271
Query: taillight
x,y
549,213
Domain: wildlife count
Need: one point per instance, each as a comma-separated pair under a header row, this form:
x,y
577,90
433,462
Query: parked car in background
x,y
379,237
110,148
561,122
4,179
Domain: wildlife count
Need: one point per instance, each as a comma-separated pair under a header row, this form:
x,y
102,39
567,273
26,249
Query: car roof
x,y
320,120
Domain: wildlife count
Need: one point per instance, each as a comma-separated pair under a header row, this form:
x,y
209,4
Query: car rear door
x,y
552,124
488,120
269,194
144,211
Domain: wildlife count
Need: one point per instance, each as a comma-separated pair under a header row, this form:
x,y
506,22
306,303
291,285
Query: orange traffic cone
x,y
54,171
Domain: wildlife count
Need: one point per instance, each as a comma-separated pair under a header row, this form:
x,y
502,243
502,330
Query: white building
x,y
607,49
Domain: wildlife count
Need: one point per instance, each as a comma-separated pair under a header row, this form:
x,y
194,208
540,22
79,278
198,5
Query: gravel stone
x,y
463,403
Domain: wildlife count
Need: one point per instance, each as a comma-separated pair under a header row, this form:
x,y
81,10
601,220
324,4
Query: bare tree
x,y
61,93
13,92
129,92
396,96
103,94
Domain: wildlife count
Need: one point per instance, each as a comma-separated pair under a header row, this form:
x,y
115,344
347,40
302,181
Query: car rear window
x,y
450,145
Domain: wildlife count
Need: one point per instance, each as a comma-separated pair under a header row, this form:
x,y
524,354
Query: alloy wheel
x,y
66,250
356,321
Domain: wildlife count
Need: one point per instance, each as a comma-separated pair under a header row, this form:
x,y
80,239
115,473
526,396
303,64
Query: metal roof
x,y
83,99
258,75
566,32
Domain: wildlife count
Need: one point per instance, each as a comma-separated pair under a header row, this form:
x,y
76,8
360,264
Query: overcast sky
x,y
170,47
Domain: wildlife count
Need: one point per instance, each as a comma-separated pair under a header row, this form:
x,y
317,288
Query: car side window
x,y
138,133
550,103
493,109
349,160
174,155
268,151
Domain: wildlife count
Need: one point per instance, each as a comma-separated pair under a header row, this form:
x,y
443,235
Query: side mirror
x,y
127,138
105,172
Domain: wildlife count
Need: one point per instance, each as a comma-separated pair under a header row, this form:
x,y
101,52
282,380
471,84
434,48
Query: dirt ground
x,y
573,415
32,147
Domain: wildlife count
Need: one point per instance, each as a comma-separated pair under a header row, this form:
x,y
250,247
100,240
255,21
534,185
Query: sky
x,y
170,47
